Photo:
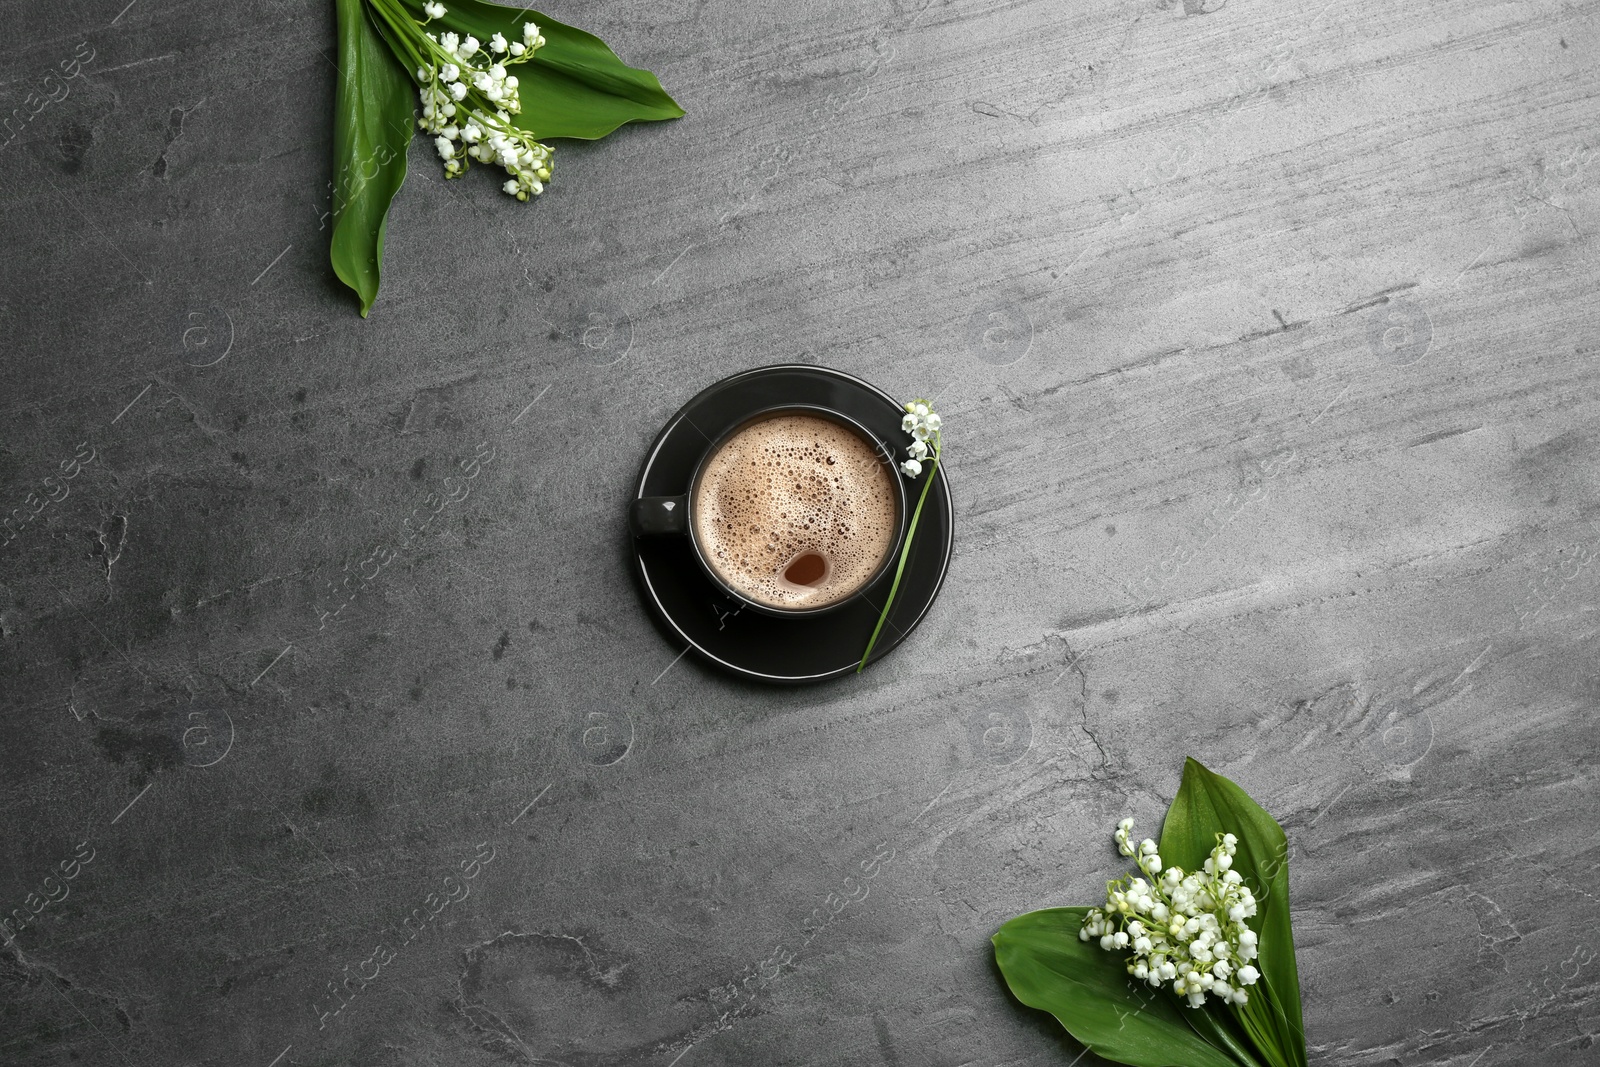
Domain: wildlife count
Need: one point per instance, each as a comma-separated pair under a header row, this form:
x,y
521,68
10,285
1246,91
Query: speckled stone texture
x,y
334,731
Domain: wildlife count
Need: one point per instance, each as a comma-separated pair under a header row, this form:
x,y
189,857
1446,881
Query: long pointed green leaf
x,y
574,86
372,127
1088,990
1208,804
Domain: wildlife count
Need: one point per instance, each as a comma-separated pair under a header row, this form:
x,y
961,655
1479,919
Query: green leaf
x,y
372,127
1208,804
574,86
1088,990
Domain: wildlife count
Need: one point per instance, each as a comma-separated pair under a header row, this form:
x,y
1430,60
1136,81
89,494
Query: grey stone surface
x,y
1265,341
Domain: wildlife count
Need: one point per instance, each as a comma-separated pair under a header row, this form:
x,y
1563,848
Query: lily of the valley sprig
x,y
923,424
468,100
1191,962
1184,929
459,58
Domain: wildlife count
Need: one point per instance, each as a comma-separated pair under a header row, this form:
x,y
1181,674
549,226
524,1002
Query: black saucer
x,y
747,642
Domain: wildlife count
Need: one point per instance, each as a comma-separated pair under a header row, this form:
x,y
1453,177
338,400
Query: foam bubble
x,y
796,496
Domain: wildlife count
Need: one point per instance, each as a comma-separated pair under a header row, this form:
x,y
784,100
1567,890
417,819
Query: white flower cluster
x,y
923,425
1185,929
468,100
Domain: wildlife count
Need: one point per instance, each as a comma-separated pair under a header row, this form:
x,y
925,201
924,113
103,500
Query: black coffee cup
x,y
672,516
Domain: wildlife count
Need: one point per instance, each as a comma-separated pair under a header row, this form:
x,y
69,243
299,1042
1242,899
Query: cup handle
x,y
659,516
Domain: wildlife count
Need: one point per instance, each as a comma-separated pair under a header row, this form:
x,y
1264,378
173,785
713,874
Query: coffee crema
x,y
796,511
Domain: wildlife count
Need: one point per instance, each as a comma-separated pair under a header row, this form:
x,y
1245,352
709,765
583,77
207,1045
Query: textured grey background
x,y
1264,336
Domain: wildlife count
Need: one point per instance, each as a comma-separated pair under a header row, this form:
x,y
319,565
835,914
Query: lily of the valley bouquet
x,y
1190,963
487,84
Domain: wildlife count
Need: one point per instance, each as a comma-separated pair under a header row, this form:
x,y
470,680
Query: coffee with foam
x,y
796,511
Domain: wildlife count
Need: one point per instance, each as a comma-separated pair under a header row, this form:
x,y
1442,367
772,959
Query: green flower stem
x,y
1260,1030
883,617
1266,1015
405,31
1245,1055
